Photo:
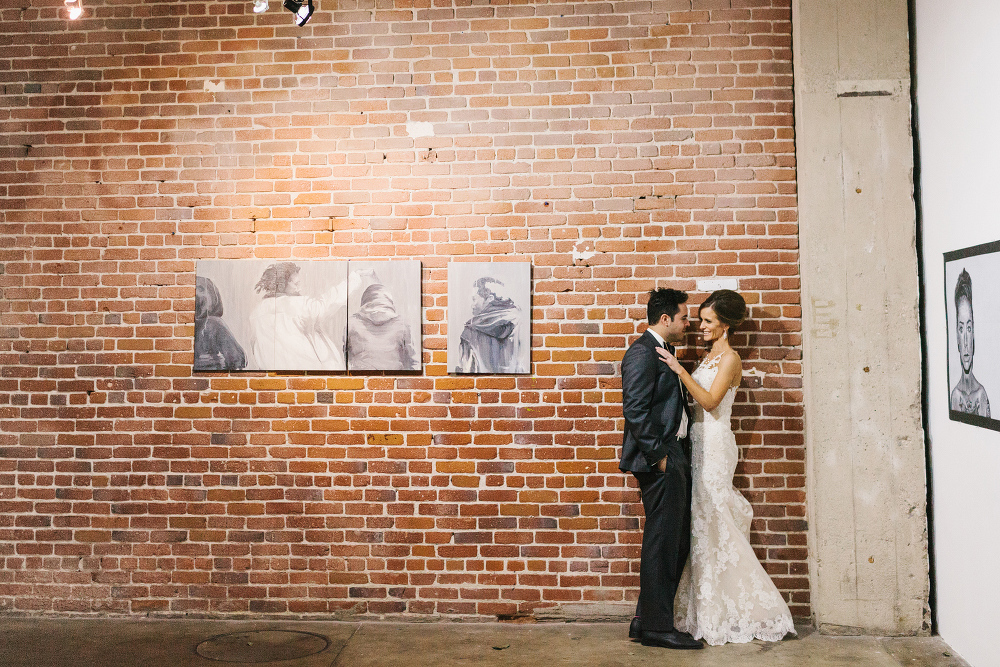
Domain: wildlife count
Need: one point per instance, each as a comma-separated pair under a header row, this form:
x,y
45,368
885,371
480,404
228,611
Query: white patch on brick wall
x,y
214,86
710,285
755,372
420,129
586,252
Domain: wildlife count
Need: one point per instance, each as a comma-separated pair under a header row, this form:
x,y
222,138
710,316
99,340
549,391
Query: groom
x,y
656,450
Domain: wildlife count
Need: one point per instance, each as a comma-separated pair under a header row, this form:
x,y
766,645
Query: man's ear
x,y
664,320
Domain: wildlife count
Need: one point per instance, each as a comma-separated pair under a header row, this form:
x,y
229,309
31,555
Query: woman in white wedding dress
x,y
724,593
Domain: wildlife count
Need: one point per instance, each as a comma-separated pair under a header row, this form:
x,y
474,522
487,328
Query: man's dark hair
x,y
963,289
664,301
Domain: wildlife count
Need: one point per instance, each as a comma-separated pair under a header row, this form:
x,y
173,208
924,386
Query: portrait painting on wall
x,y
973,315
271,315
489,317
384,316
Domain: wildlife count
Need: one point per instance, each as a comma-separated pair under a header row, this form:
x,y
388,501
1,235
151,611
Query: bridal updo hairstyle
x,y
728,305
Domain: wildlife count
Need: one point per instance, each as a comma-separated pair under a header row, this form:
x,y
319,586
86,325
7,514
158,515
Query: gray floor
x,y
48,642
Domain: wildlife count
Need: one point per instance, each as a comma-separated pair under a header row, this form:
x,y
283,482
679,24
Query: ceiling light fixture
x,y
303,10
75,8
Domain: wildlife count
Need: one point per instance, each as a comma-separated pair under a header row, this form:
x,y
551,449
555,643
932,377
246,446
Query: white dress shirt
x,y
682,430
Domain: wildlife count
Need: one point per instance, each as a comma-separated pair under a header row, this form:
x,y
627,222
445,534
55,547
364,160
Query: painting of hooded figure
x,y
383,331
493,301
293,330
215,347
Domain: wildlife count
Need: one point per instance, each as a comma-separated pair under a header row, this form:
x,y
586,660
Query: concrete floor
x,y
49,642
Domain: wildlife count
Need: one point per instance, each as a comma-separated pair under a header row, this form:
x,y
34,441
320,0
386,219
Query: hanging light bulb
x,y
74,8
259,6
303,10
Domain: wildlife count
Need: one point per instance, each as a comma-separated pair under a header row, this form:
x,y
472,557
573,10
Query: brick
x,y
417,494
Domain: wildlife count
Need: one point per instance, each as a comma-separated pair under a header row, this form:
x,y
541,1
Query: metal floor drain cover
x,y
262,646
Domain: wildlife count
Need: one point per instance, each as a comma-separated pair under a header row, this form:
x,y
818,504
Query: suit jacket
x,y
653,401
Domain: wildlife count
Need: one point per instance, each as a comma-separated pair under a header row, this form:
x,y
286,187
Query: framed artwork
x,y
270,315
384,316
489,317
972,305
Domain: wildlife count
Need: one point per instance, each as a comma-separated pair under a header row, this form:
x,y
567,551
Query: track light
x,y
259,6
75,8
303,10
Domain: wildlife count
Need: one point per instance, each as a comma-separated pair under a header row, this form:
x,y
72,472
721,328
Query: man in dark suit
x,y
656,450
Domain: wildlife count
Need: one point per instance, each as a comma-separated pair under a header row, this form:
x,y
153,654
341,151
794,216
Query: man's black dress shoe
x,y
673,639
635,628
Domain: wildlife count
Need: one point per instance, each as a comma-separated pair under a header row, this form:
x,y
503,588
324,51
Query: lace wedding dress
x,y
724,594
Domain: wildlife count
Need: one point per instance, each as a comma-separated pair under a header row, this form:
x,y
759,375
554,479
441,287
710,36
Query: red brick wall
x,y
616,145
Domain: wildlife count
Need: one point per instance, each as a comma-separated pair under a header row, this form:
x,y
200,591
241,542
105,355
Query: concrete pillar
x,y
866,477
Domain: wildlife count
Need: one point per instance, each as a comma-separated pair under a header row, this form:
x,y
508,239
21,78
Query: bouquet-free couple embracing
x,y
699,578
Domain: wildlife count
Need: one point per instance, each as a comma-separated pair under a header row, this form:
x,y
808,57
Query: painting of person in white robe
x,y
377,337
490,342
969,395
292,331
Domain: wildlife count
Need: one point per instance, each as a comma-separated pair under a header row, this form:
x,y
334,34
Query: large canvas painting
x,y
270,315
384,323
973,316
489,317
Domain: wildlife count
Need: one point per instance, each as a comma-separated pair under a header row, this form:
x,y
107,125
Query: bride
x,y
724,594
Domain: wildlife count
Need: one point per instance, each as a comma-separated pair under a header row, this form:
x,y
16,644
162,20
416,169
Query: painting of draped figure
x,y
384,323
282,315
489,317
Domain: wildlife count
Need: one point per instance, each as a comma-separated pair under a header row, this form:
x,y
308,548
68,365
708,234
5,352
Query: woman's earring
x,y
725,334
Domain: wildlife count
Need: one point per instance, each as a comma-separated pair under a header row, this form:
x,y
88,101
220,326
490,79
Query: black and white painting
x,y
384,323
489,317
972,304
271,315
216,347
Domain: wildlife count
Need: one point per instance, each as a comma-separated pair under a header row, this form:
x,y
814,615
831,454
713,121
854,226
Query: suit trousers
x,y
666,539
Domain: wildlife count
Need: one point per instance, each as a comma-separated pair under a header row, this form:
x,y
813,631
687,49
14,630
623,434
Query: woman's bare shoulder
x,y
732,356
732,362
